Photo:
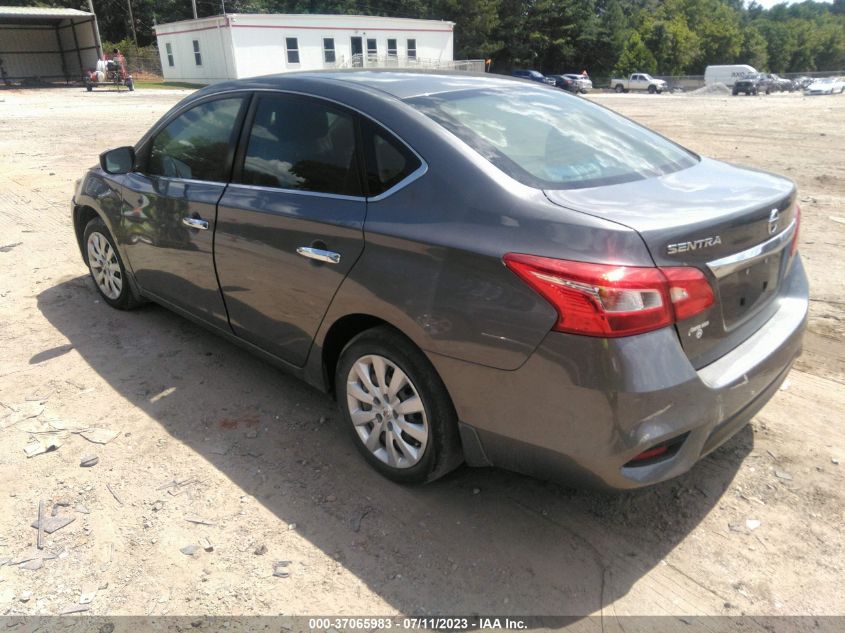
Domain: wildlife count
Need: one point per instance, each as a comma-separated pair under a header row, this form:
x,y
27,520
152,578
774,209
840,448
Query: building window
x,y
169,50
412,49
197,54
292,46
372,48
328,50
391,48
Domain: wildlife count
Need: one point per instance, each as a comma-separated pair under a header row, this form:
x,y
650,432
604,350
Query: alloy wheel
x,y
105,267
387,412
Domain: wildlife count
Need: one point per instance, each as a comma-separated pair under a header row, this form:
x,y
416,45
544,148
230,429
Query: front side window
x,y
197,54
372,48
196,143
550,140
388,161
328,50
169,50
292,46
412,49
302,144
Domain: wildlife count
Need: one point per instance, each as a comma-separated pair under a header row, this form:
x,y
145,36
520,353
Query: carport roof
x,y
41,12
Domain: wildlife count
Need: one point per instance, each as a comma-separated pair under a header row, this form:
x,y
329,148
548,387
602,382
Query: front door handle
x,y
330,257
195,223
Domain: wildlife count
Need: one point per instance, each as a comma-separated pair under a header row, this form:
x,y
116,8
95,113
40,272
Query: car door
x,y
170,204
290,226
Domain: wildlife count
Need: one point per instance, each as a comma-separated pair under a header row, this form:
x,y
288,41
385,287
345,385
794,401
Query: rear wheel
x,y
619,88
106,267
397,408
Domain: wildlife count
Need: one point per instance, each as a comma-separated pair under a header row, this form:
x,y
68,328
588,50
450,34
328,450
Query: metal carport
x,y
44,44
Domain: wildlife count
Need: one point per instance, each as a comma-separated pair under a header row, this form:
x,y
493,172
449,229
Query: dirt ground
x,y
263,472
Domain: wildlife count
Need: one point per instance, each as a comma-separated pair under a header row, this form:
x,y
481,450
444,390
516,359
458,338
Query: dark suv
x,y
754,84
534,75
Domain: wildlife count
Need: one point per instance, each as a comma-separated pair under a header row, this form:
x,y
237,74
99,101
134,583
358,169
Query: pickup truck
x,y
640,81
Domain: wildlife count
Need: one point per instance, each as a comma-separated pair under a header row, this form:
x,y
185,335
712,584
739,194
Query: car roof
x,y
400,84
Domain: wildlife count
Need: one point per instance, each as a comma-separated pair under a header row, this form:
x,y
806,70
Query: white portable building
x,y
46,44
233,46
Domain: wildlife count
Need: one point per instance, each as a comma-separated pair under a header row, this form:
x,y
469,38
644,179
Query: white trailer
x,y
43,44
234,46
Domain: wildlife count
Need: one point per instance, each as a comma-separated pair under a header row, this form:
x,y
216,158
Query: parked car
x,y
533,75
826,86
640,82
478,269
753,85
564,82
727,74
801,83
781,83
584,83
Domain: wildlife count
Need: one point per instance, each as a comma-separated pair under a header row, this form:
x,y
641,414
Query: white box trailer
x,y
44,44
727,74
234,46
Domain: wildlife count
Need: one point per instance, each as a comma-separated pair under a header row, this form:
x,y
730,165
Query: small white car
x,y
826,86
584,83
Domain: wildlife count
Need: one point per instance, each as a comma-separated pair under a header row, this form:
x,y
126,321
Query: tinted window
x,y
388,160
551,140
195,144
304,144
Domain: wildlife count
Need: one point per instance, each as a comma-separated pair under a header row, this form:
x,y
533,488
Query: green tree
x,y
635,57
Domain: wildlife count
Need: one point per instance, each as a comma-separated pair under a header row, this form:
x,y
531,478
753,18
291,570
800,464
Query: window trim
x,y
408,48
326,50
295,49
168,51
243,140
374,53
395,48
197,53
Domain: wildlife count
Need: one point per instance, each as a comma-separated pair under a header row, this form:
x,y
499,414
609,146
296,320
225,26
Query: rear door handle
x,y
330,257
195,223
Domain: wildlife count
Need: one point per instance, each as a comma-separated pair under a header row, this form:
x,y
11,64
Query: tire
x,y
735,92
112,284
89,87
130,84
620,88
652,90
434,448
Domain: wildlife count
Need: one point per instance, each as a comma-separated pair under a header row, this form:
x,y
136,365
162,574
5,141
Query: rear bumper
x,y
581,408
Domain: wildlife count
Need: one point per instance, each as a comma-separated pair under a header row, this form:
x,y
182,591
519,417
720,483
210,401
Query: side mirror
x,y
118,161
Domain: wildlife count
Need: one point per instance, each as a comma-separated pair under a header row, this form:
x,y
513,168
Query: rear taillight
x,y
794,248
609,301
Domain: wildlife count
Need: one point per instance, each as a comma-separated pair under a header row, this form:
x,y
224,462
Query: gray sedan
x,y
479,270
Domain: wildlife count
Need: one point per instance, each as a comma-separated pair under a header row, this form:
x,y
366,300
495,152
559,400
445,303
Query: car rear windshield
x,y
548,139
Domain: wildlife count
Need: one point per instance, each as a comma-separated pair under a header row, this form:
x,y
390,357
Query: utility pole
x,y
194,5
132,22
95,27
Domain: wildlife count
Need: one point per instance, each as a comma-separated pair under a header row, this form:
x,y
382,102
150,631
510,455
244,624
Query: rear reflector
x,y
610,301
650,453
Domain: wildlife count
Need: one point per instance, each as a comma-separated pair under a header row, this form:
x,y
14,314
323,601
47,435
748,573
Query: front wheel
x,y
130,84
652,90
107,269
397,408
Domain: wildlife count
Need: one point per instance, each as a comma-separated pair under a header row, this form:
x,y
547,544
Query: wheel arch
x,y
338,336
82,215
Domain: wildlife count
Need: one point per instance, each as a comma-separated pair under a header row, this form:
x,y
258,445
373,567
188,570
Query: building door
x,y
357,52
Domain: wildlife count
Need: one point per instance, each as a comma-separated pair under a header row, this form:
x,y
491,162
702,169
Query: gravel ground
x,y
215,449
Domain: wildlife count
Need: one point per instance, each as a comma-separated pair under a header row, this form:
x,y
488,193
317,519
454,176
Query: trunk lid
x,y
732,223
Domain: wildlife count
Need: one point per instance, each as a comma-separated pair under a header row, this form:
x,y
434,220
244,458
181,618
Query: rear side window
x,y
195,144
302,144
388,160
